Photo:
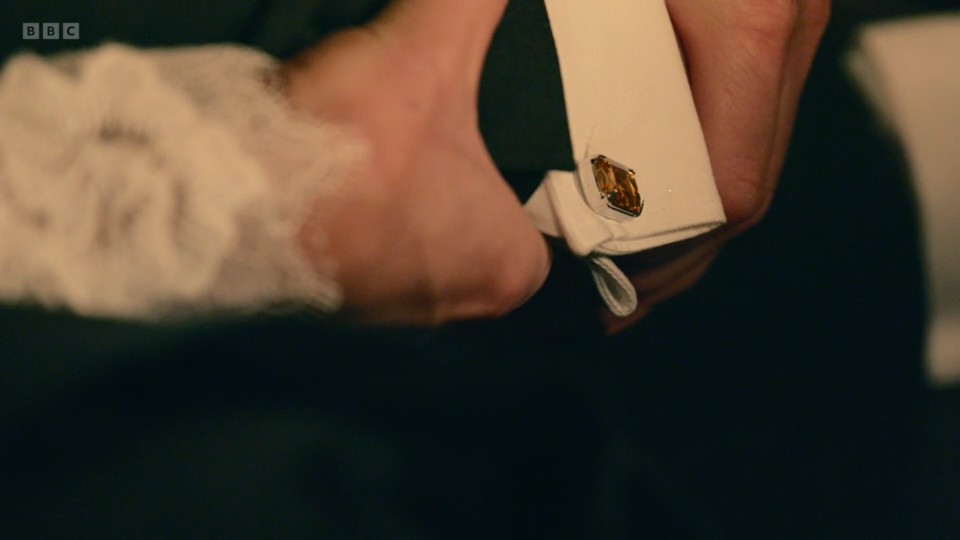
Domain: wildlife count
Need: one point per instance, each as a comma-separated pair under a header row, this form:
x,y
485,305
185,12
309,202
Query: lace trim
x,y
153,183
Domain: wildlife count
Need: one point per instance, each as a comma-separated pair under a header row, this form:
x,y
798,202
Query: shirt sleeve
x,y
151,184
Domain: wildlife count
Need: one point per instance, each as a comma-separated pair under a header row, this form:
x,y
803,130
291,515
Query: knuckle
x,y
746,197
519,273
500,291
510,289
748,210
436,315
438,311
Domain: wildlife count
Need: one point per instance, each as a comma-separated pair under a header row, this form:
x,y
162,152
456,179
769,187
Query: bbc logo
x,y
51,31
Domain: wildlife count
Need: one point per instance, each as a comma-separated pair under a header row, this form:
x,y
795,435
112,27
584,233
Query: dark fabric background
x,y
782,397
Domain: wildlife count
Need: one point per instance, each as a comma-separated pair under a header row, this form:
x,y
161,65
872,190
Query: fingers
x,y
679,281
615,325
747,62
657,283
685,280
735,51
812,21
510,282
648,284
496,260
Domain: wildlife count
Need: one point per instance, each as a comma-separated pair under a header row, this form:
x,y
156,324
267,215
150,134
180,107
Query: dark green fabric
x,y
522,111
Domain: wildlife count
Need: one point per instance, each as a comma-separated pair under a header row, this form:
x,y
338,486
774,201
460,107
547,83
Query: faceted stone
x,y
618,185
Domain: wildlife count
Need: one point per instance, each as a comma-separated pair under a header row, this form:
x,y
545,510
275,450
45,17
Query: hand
x,y
426,231
747,61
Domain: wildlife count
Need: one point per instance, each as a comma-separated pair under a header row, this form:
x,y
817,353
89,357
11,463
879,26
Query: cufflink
x,y
612,191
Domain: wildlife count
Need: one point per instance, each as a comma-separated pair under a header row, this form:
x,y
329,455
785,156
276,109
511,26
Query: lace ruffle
x,y
152,183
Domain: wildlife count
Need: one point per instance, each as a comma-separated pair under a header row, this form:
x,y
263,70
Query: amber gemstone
x,y
618,185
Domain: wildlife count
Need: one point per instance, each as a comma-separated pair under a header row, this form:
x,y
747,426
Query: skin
x,y
434,233
747,62
410,250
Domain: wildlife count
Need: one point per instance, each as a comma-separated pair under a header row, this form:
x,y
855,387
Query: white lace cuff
x,y
146,184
